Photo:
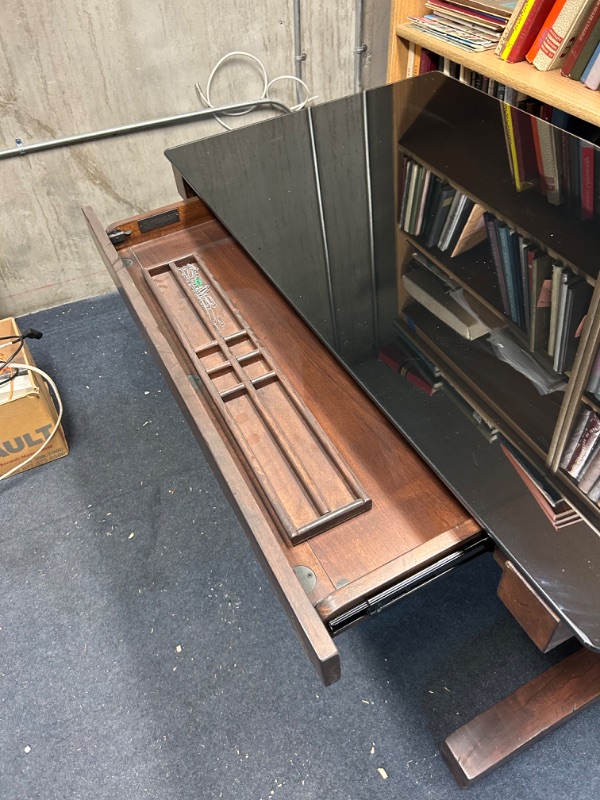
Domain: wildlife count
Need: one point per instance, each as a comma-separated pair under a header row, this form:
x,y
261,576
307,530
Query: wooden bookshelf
x,y
548,87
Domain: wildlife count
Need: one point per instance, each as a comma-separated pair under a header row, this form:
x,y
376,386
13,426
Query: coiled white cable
x,y
38,371
267,84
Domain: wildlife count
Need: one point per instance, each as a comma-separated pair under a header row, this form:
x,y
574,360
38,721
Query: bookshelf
x,y
467,149
548,87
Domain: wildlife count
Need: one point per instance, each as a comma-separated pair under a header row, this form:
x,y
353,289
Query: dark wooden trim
x,y
523,717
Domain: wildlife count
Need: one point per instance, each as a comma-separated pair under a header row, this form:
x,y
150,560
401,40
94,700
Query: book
x,y
591,74
556,508
447,31
520,146
453,211
429,62
447,194
546,25
565,276
497,8
540,299
546,146
557,272
584,446
584,45
462,215
508,270
586,161
476,20
579,295
590,474
431,293
393,356
432,207
509,28
525,30
561,35
472,233
422,202
492,232
594,377
576,435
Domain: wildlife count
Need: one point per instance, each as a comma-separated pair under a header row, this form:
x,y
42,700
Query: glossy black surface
x,y
313,198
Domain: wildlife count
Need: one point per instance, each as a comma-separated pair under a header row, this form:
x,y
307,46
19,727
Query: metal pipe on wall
x,y
360,48
299,54
136,127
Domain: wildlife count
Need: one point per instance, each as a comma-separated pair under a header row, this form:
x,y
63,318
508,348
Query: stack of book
x,y
433,209
433,289
555,34
555,507
403,357
473,25
581,457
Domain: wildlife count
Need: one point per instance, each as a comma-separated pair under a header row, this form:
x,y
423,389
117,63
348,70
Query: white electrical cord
x,y
31,368
267,84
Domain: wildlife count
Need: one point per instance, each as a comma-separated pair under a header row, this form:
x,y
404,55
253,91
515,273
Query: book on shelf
x,y
580,447
494,239
545,145
541,298
497,8
410,366
520,146
590,475
556,508
593,383
560,33
462,36
584,45
432,293
522,29
591,73
472,233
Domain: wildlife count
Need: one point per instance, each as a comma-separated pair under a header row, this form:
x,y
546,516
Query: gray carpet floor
x,y
143,654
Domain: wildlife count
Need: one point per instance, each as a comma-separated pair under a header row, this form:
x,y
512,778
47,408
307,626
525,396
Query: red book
x,y
538,156
429,62
545,29
582,38
535,19
586,156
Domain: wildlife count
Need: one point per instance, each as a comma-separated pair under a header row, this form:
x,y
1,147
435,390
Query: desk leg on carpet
x,y
523,717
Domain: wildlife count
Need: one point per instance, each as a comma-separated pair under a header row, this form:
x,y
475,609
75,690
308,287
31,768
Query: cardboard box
x,y
27,412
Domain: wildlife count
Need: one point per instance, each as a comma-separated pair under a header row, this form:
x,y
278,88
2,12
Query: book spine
x,y
490,224
584,447
594,377
505,248
582,421
504,43
592,80
534,19
551,175
511,146
410,61
557,272
544,29
591,473
584,42
560,38
587,180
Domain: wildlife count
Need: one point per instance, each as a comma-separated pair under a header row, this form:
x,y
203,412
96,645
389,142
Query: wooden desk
x,y
415,530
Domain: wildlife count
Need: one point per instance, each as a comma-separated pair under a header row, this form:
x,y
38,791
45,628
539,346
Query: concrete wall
x,y
80,65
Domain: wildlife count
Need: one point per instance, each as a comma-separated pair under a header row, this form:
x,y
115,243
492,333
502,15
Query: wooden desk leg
x,y
523,717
